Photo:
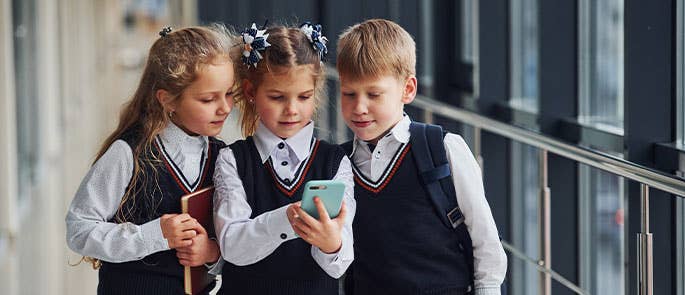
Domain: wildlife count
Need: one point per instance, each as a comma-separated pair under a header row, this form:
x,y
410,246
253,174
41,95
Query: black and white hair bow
x,y
318,41
254,41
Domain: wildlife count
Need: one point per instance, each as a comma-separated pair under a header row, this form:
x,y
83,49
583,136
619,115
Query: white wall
x,y
82,84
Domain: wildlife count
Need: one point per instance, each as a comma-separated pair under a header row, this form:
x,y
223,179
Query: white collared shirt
x,y
293,152
244,240
99,195
490,261
185,151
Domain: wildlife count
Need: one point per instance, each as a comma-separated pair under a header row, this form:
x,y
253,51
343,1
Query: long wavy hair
x,y
173,63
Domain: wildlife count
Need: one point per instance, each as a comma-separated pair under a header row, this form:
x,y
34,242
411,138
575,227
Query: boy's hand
x,y
201,251
324,233
178,229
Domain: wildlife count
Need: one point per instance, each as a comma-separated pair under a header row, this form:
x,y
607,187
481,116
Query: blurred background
x,y
602,75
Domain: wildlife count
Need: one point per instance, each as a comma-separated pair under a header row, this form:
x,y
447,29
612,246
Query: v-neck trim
x,y
386,176
177,173
290,188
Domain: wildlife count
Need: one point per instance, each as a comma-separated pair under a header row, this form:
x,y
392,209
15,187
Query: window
x,y
424,44
524,214
601,64
602,194
467,31
468,50
680,245
602,235
28,141
523,53
680,140
467,77
680,72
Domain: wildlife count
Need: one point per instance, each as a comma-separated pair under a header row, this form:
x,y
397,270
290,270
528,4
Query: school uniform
x,y
135,256
256,180
401,244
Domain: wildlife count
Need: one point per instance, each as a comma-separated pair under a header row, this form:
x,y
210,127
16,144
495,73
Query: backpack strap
x,y
428,148
434,170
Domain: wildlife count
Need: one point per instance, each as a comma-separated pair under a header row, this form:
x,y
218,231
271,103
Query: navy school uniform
x,y
159,271
291,268
402,245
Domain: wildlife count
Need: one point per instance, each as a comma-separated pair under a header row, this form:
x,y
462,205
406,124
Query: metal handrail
x,y
655,179
646,176
541,268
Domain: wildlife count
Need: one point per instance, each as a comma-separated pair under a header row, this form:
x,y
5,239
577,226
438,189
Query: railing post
x,y
645,270
544,226
477,145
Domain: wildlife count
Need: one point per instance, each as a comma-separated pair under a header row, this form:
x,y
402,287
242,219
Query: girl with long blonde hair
x,y
125,217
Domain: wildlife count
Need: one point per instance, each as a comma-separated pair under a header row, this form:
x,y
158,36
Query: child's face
x,y
285,102
372,106
205,103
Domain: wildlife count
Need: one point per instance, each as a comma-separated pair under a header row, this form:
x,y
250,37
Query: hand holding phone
x,y
324,232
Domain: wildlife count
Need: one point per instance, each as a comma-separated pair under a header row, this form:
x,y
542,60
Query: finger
x,y
186,235
290,212
201,230
321,208
182,243
343,213
292,219
306,218
184,250
190,223
299,225
182,217
302,234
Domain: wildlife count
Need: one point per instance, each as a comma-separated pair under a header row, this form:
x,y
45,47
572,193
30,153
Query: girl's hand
x,y
178,229
324,233
201,251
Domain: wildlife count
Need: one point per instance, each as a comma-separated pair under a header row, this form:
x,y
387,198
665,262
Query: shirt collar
x,y
174,138
267,142
399,132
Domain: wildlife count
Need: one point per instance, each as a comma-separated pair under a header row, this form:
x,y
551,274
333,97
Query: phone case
x,y
331,193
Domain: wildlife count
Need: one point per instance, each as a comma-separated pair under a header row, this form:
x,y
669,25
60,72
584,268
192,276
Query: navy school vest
x,y
290,269
402,245
153,199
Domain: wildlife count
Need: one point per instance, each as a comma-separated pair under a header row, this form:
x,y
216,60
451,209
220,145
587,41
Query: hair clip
x,y
165,31
318,41
254,40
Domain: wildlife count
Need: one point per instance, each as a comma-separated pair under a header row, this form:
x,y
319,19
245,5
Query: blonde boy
x,y
405,243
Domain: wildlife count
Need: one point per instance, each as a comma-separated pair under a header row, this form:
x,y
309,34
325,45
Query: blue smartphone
x,y
330,192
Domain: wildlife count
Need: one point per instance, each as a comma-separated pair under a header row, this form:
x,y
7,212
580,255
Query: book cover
x,y
198,205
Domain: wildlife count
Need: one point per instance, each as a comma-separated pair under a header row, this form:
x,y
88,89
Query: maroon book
x,y
199,205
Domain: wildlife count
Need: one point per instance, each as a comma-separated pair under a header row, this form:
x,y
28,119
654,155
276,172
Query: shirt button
x,y
281,145
287,181
283,236
378,156
284,163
